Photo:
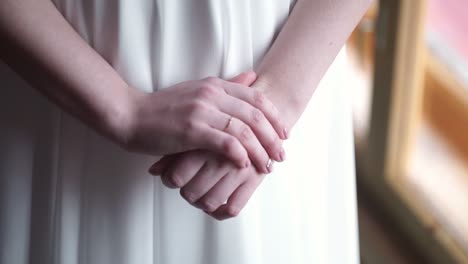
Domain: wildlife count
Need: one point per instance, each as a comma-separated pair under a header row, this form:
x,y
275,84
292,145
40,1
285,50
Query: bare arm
x,y
306,46
40,45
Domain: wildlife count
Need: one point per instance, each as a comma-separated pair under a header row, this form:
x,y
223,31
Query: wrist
x,y
283,102
123,120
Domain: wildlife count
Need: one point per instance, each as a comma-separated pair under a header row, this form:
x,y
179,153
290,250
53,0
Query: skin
x,y
288,75
36,43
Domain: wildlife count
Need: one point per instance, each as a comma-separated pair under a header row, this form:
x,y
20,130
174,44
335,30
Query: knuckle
x,y
257,115
176,180
211,80
208,205
167,182
188,195
206,91
196,108
189,127
259,98
232,211
228,145
245,132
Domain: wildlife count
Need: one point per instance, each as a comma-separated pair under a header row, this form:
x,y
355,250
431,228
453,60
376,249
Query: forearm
x,y
306,46
40,45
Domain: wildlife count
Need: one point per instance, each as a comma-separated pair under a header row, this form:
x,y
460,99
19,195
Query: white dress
x,y
67,195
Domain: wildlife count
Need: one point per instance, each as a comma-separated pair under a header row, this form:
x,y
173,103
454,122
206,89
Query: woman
x,y
135,73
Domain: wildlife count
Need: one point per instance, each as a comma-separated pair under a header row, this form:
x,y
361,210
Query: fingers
x,y
255,122
220,192
183,168
222,143
208,180
247,138
246,78
224,106
259,101
214,185
257,154
238,199
161,165
207,177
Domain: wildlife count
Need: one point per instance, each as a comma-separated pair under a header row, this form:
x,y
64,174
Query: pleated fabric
x,y
67,195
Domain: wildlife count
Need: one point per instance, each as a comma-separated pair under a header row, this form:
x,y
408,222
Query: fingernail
x,y
269,166
285,133
282,155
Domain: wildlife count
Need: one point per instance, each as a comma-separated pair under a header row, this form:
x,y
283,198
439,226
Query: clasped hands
x,y
218,138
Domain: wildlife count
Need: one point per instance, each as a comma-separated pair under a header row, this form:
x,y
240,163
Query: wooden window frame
x,y
397,105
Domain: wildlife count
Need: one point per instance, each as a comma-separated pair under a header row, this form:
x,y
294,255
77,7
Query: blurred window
x,y
411,110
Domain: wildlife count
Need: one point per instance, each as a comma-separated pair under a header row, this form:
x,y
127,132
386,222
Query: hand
x,y
195,115
208,181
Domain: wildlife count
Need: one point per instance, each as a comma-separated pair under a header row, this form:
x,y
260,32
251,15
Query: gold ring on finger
x,y
228,124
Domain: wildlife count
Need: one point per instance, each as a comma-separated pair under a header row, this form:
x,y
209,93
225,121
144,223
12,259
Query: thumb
x,y
246,78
